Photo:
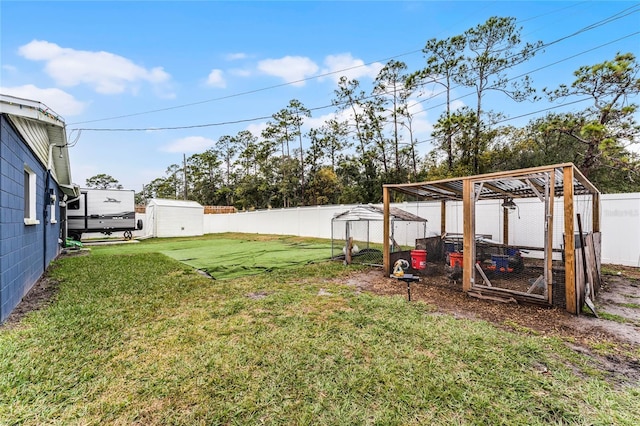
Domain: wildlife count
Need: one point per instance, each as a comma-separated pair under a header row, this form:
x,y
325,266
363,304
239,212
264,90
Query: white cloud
x,y
105,72
317,122
189,144
216,79
457,104
346,65
236,56
420,124
240,72
257,128
58,100
290,68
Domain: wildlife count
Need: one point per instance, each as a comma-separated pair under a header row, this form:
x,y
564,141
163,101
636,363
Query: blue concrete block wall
x,y
25,250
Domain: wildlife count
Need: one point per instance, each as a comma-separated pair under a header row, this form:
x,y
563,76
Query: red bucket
x,y
455,258
418,259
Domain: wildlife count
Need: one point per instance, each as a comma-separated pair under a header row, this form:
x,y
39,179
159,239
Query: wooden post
x,y
468,227
386,256
569,242
549,243
595,208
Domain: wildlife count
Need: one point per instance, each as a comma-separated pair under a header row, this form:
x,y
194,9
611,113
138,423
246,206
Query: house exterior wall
x,y
25,250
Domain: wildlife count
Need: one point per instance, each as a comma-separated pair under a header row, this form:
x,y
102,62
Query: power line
x,y
248,120
504,120
518,76
592,26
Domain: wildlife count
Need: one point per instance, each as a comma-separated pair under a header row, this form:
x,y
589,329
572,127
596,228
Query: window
x,y
29,197
74,204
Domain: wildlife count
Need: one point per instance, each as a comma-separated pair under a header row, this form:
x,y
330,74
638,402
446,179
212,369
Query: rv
x,y
102,210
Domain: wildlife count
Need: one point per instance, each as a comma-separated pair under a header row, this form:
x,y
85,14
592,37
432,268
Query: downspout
x,y
47,201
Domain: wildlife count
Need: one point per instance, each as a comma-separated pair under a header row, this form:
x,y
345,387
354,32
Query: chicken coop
x,y
529,235
357,234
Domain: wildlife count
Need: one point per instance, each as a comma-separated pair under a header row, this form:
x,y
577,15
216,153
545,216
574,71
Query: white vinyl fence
x,y
620,223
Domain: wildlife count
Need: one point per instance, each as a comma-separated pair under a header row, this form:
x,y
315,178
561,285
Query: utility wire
x,y
504,120
619,15
590,27
255,90
516,77
224,123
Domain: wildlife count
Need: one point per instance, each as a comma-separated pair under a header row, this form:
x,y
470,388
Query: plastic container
x,y
450,247
501,261
455,258
418,259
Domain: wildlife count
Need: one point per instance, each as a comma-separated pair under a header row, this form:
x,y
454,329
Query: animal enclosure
x,y
543,262
357,234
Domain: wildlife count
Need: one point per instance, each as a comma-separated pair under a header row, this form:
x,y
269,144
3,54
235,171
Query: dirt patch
x,y
583,334
41,295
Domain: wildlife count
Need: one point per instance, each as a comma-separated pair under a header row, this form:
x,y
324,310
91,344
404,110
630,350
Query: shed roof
x,y
523,183
374,213
175,203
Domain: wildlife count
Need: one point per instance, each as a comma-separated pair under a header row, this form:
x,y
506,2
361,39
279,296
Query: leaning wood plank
x,y
591,263
484,276
502,291
539,282
496,299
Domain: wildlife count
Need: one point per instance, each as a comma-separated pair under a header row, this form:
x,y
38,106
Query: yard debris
x,y
257,295
323,292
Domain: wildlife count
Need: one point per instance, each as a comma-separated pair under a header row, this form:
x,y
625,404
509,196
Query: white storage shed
x,y
175,218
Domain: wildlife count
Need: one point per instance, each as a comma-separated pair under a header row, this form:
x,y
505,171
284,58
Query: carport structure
x,y
557,185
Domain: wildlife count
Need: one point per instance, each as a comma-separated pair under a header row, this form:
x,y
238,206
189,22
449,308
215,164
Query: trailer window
x,y
74,204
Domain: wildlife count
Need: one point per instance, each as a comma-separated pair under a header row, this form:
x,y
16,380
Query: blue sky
x,y
158,64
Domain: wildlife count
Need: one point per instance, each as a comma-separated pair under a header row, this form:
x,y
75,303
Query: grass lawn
x,y
135,337
232,255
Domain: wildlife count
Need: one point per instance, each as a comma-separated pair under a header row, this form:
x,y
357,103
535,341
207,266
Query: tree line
x,y
371,138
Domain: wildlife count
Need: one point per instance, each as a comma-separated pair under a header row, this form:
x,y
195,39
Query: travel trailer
x,y
102,210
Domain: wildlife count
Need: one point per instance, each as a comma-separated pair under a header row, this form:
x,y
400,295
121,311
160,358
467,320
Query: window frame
x,y
30,190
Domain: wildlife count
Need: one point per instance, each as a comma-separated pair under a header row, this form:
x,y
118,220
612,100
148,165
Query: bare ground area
x,y
619,297
41,295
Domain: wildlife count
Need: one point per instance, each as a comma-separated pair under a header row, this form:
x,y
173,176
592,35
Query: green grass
x,y
615,318
630,305
231,255
139,338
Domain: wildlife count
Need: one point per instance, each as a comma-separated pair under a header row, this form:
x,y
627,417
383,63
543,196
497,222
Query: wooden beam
x,y
569,242
498,190
468,243
386,262
577,174
488,176
536,189
446,188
